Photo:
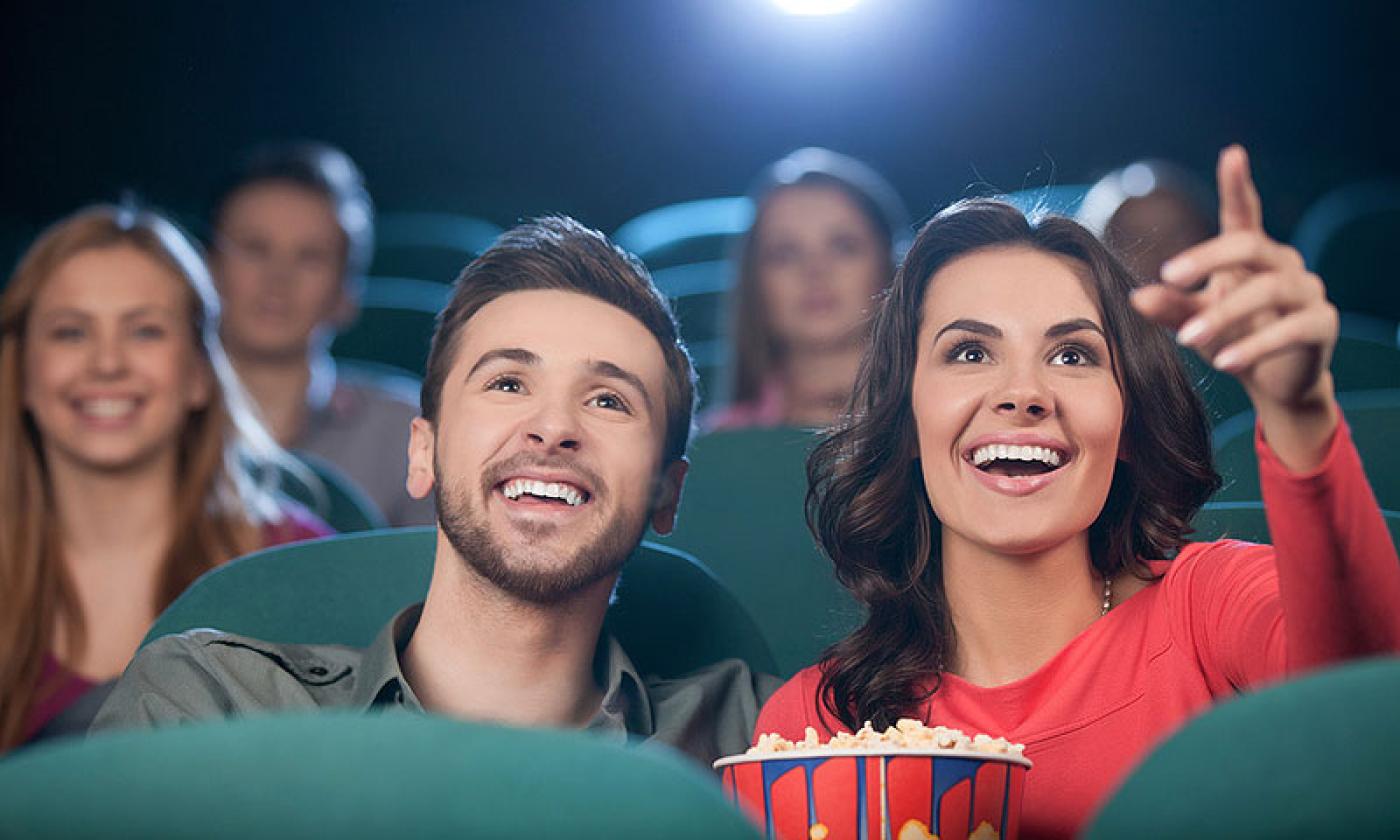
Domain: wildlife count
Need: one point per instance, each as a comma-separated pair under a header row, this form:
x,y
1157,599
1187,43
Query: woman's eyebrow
x,y
969,325
1072,326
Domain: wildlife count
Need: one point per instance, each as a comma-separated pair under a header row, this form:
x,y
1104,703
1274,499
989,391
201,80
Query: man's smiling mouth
x,y
555,492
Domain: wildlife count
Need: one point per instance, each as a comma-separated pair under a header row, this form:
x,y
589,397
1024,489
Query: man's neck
x,y
1012,614
481,654
278,385
818,383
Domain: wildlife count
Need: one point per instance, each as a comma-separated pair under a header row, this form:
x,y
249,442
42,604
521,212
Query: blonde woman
x,y
132,462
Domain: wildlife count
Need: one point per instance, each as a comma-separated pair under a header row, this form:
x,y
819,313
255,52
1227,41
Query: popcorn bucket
x,y
878,794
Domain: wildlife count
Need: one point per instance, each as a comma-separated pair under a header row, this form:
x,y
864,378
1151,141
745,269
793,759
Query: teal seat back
x,y
699,294
670,613
1351,237
687,232
1374,418
1247,521
742,508
429,246
333,496
1311,758
395,325
342,775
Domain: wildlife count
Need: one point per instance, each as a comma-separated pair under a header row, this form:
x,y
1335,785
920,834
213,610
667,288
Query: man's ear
x,y
668,496
421,475
345,310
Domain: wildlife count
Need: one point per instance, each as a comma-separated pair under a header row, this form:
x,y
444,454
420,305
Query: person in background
x,y
556,414
823,244
292,236
1147,212
1014,490
132,462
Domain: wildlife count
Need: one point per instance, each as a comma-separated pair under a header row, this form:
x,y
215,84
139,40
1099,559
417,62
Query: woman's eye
x,y
1072,357
968,354
508,384
612,402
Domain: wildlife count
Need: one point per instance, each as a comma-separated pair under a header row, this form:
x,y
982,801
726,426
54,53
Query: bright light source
x,y
816,7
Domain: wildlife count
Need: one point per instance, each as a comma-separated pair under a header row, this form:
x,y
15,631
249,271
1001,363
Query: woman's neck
x,y
279,388
116,529
1012,613
818,383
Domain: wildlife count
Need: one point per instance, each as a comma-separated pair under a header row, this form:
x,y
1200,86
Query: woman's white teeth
x,y
107,408
1004,452
517,487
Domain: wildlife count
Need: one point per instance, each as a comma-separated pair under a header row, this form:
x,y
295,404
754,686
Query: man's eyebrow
x,y
969,325
1072,326
612,371
511,354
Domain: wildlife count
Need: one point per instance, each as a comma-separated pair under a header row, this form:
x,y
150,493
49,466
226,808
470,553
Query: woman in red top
x,y
132,463
1025,454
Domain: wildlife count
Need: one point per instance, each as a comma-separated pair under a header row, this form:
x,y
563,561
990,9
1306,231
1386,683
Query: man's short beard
x,y
538,583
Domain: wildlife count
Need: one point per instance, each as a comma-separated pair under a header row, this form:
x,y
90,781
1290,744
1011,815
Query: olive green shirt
x,y
204,674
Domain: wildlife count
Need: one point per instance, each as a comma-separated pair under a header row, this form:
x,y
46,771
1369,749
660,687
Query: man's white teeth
x,y
517,487
108,407
1004,452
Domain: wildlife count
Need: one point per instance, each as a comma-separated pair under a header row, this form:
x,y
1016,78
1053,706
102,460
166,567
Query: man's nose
x,y
552,427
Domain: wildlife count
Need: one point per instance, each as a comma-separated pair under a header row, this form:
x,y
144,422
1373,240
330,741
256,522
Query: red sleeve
x,y
297,524
1328,589
792,708
1339,577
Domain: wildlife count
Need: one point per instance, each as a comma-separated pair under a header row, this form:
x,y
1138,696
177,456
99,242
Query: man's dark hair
x,y
318,168
558,253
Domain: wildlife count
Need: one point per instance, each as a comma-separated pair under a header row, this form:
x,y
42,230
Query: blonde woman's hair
x,y
225,479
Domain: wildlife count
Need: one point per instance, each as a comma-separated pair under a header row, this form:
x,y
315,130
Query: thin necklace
x,y
1107,596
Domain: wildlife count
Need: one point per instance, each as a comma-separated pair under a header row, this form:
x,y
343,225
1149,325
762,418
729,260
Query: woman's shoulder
x,y
794,706
296,523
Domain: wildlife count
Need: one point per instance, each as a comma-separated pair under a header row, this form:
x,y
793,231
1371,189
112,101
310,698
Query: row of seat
x,y
311,775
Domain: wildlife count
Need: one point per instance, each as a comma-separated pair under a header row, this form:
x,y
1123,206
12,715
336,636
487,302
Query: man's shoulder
x,y
207,673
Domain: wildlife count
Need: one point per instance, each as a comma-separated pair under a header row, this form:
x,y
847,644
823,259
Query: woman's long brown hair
x,y
223,486
867,504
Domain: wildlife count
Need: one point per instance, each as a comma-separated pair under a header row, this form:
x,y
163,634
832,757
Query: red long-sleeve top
x,y
1226,616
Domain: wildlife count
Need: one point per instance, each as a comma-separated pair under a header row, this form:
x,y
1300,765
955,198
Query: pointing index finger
x,y
1240,208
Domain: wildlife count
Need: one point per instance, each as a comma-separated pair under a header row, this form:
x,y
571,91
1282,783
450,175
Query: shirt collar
x,y
625,710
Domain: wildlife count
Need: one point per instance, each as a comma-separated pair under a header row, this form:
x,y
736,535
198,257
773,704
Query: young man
x,y
293,233
555,417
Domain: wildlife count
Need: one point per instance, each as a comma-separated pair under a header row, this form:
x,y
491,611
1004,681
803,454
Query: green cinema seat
x,y
431,246
337,774
743,510
686,232
331,495
669,611
1309,758
1247,521
395,325
1374,417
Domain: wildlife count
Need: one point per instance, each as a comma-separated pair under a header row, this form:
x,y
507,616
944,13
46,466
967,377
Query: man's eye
x,y
508,384
612,402
66,333
150,332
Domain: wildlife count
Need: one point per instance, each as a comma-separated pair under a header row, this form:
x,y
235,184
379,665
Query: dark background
x,y
606,109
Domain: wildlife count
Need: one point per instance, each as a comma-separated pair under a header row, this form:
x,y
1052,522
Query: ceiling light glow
x,y
815,7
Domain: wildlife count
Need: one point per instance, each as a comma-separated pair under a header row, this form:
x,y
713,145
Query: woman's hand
x,y
1251,308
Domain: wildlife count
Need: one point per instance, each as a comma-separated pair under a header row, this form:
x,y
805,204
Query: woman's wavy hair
x,y
755,349
867,505
225,476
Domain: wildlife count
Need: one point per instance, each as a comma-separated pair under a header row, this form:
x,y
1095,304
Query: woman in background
x,y
821,247
1013,493
133,463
